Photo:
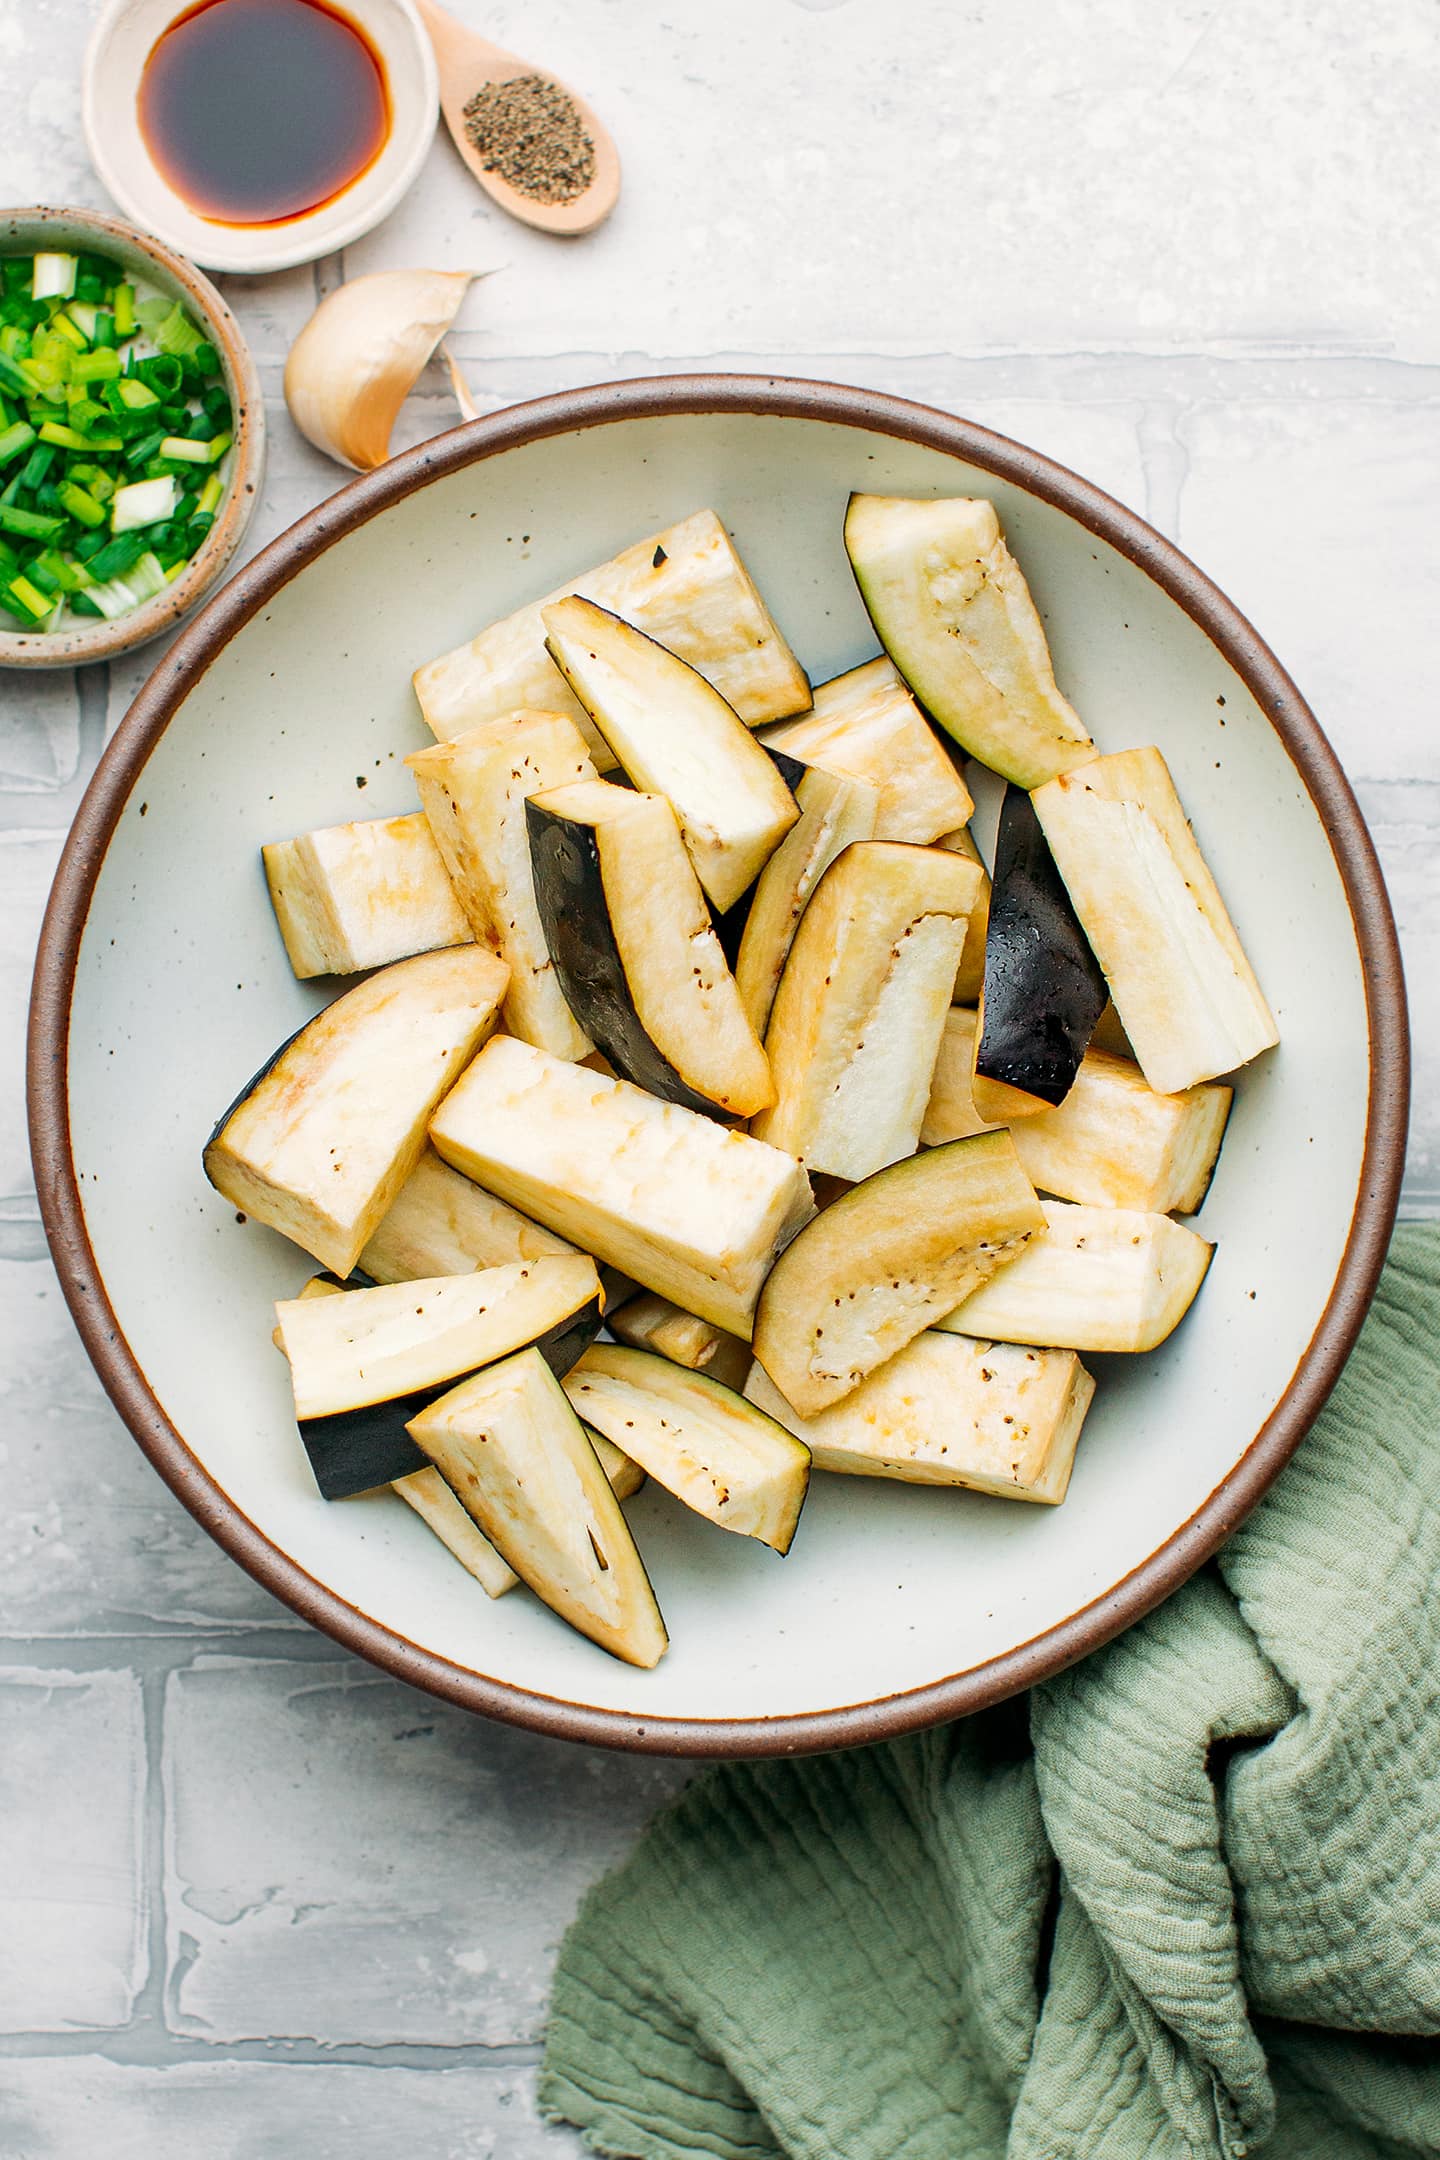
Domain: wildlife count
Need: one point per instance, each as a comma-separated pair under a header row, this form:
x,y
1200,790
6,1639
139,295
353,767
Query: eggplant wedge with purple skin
x,y
513,1452
362,1365
1043,989
634,949
676,736
322,1139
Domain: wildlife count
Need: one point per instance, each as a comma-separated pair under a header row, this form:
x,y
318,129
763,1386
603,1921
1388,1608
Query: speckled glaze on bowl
x,y
161,985
121,42
24,232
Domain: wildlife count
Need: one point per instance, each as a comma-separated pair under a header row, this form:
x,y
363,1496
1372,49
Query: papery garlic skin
x,y
357,359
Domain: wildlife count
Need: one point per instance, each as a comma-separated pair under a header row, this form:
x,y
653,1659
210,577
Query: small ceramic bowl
x,y
122,42
27,232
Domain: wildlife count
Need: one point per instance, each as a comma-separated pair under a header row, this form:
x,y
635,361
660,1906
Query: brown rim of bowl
x,y
90,645
1319,1367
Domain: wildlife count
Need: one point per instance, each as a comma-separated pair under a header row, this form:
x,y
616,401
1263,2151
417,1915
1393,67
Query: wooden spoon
x,y
467,62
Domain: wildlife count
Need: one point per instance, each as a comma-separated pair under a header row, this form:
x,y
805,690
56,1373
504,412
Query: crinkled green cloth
x,y
1183,1900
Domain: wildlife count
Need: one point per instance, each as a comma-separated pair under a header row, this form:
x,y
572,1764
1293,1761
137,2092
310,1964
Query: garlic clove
x,y
355,362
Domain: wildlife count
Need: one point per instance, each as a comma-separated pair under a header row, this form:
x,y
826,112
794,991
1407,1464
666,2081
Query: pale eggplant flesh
x,y
515,1455
321,1141
728,1461
889,1258
689,1208
676,736
634,950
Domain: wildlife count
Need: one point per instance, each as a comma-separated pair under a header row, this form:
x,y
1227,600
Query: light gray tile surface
x,y
256,1902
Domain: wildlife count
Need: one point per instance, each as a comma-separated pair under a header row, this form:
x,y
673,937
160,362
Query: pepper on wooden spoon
x,y
534,146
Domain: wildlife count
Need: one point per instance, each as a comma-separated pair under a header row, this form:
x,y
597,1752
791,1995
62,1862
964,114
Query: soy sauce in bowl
x,y
257,111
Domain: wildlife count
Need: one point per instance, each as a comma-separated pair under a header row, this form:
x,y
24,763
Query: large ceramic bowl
x,y
32,231
161,985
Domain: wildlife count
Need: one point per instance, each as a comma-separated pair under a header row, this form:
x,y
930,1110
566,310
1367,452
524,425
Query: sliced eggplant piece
x,y
1113,1142
675,735
442,1224
690,1209
359,896
655,1323
949,1411
858,1015
834,810
1043,989
634,950
355,1354
322,1140
866,726
515,1455
955,615
886,1260
375,1344
427,1492
1184,990
686,586
970,975
431,1498
704,1443
1100,1279
473,791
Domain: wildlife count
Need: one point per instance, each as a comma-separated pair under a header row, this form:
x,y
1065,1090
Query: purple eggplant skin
x,y
354,1451
1044,991
570,894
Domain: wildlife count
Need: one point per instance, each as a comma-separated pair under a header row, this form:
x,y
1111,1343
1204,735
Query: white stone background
x,y
256,1901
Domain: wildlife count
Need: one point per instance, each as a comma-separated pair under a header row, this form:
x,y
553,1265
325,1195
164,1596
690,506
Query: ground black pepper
x,y
530,132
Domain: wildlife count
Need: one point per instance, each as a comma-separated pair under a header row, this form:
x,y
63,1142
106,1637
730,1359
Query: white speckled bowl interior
x,y
288,705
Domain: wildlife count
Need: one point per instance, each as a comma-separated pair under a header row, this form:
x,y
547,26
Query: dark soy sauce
x,y
256,111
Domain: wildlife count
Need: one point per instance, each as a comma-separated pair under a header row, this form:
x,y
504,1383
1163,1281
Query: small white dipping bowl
x,y
119,47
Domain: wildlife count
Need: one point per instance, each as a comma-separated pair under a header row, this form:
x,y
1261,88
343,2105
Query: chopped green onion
x,y
103,335
81,504
209,499
42,457
53,277
88,545
186,450
29,524
19,437
82,604
179,336
152,312
143,502
135,396
124,305
218,446
141,451
102,365
33,604
162,373
15,377
115,557
69,438
67,577
82,315
65,327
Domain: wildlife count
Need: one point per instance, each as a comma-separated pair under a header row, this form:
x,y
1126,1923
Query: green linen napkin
x,y
1182,1900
